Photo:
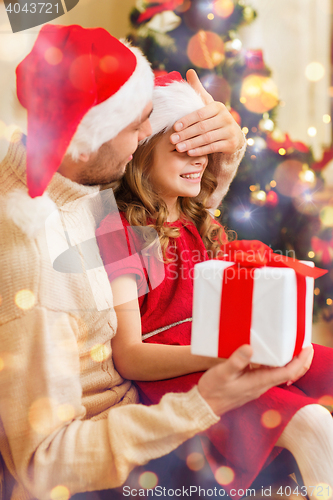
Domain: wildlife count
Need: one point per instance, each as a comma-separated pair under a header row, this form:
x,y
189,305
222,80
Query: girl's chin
x,y
190,193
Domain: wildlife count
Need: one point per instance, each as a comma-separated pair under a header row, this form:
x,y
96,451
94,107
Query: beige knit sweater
x,y
66,416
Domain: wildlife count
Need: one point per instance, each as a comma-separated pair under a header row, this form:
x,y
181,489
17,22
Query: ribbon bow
x,y
254,253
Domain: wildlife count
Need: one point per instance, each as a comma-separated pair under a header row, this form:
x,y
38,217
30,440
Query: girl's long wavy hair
x,y
135,196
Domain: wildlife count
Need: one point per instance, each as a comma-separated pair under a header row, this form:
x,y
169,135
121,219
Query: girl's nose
x,y
200,160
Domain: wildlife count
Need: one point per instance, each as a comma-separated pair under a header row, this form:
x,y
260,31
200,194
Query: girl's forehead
x,y
165,138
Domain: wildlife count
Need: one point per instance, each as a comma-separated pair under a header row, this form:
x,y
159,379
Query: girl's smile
x,y
175,174
193,177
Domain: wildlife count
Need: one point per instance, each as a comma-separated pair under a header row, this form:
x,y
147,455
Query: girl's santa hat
x,y
173,98
81,87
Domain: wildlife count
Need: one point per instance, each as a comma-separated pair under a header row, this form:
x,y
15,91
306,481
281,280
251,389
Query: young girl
x,y
170,192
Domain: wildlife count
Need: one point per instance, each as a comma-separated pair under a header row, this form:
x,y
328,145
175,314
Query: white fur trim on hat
x,y
105,120
29,214
172,102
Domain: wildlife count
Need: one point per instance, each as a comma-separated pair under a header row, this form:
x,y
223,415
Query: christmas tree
x,y
279,196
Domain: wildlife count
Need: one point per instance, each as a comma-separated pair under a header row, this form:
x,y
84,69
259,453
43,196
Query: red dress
x,y
243,439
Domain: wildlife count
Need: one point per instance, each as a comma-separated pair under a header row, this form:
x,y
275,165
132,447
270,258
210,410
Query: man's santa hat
x,y
173,98
81,87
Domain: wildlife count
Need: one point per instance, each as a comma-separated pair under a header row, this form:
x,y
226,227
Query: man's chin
x,y
116,177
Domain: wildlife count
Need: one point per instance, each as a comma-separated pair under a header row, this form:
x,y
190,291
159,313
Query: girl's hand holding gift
x,y
211,129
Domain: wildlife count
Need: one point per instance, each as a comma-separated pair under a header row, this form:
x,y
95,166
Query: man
x,y
69,422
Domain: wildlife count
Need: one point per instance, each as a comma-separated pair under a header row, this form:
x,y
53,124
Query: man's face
x,y
109,162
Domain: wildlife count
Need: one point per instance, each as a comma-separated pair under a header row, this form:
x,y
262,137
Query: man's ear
x,y
84,157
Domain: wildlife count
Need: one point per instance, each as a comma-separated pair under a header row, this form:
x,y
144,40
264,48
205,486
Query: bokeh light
x,y
314,71
195,461
210,16
25,299
305,205
148,480
53,56
65,412
41,416
183,7
271,419
272,199
323,491
217,213
11,361
312,131
258,198
248,14
259,144
259,93
242,213
80,73
308,176
277,135
233,47
224,8
224,475
60,492
273,183
9,133
316,291
326,216
236,116
109,64
326,119
205,49
218,87
266,125
287,177
311,254
100,352
329,302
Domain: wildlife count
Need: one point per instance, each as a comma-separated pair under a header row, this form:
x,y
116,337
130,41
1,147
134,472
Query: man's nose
x,y
145,130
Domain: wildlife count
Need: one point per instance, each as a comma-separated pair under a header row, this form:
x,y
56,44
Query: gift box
x,y
253,296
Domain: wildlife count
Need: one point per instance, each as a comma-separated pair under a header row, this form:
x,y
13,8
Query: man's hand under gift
x,y
230,385
211,129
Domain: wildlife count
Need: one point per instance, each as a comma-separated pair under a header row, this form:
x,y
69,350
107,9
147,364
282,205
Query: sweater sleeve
x,y
224,167
46,441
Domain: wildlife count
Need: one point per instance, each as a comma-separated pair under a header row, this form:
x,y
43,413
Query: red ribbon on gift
x,y
237,291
